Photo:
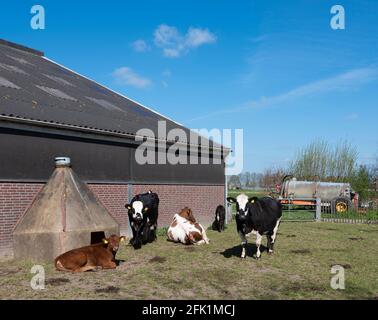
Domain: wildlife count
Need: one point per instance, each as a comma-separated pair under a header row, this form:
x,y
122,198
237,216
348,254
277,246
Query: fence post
x,y
318,214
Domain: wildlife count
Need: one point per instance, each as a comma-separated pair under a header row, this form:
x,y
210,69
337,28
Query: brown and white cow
x,y
100,255
185,229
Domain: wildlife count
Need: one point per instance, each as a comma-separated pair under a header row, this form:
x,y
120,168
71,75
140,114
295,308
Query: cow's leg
x,y
258,244
270,243
274,235
134,233
243,243
109,265
146,233
152,233
84,268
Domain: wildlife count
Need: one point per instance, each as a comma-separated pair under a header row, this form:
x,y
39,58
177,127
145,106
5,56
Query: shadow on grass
x,y
119,262
236,251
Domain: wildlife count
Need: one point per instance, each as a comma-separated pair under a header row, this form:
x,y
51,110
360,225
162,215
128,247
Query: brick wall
x,y
203,201
15,198
114,198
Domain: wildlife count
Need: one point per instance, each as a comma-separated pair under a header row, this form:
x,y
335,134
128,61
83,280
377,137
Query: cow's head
x,y
187,214
137,209
113,242
242,204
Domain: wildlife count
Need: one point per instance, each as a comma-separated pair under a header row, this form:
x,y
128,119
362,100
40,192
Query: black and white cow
x,y
143,215
260,216
220,216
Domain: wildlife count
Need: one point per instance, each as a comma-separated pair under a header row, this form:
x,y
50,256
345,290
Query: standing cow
x,y
258,216
143,216
220,217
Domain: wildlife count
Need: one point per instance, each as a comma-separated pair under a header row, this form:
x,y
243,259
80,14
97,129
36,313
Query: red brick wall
x,y
15,198
114,198
203,201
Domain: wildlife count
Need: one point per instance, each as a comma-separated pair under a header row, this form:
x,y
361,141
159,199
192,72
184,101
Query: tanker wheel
x,y
341,205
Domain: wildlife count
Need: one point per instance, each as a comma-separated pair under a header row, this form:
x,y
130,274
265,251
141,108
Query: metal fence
x,y
295,212
319,211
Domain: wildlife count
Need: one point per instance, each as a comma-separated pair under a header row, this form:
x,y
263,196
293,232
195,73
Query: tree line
x,y
318,161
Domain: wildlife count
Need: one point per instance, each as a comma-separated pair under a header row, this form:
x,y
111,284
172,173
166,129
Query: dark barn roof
x,y
38,91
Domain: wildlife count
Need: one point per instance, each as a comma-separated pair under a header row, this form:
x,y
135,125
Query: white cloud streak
x,y
126,76
174,44
345,81
140,46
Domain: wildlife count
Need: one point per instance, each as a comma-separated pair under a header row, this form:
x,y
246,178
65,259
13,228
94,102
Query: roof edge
x,y
21,47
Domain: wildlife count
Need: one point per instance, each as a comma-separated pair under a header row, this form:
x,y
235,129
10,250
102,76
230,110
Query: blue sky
x,y
273,68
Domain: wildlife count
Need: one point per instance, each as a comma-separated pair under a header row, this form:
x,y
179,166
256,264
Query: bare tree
x,y
320,160
272,177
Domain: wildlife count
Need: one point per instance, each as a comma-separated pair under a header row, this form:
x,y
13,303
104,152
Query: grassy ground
x,y
299,269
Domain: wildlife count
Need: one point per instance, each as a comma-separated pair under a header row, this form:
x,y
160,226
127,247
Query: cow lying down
x,y
185,229
95,256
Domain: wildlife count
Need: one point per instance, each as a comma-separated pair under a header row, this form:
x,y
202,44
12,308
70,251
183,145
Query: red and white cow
x,y
185,229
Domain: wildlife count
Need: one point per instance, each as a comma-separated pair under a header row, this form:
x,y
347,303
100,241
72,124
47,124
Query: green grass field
x,y
299,269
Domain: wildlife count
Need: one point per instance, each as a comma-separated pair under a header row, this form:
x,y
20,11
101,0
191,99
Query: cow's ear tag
x,y
128,207
145,209
253,201
105,241
122,239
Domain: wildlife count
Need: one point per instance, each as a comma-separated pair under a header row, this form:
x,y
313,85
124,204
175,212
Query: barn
x,y
48,110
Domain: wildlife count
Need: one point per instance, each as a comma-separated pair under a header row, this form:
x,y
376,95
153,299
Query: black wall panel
x,y
26,156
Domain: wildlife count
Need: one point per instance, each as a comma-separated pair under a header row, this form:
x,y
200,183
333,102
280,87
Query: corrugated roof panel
x,y
106,104
56,92
50,92
20,60
59,80
11,68
6,83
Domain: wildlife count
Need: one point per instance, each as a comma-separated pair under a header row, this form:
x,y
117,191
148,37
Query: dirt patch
x,y
57,281
109,289
291,236
330,229
301,251
356,238
158,259
5,272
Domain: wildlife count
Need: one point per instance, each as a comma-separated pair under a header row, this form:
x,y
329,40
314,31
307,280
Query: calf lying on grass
x,y
100,255
185,229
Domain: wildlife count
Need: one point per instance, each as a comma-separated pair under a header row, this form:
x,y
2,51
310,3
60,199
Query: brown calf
x,y
100,255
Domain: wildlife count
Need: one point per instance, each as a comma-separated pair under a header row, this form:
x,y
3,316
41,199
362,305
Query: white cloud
x,y
140,46
174,44
196,37
348,80
126,76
